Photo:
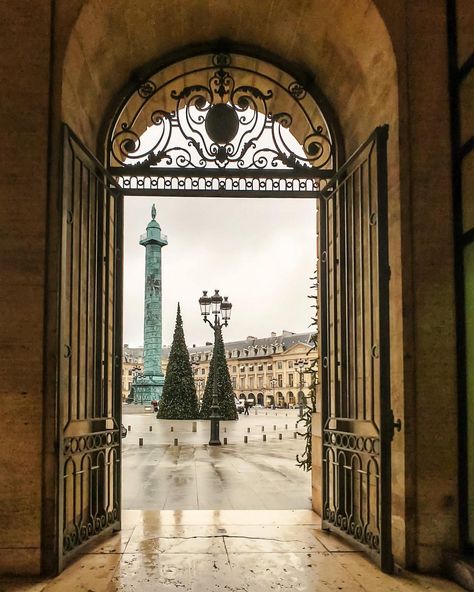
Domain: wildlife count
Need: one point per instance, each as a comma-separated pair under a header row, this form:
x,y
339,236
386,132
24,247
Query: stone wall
x,y
24,120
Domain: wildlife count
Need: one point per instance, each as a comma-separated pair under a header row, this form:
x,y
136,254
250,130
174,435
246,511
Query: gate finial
x,y
153,212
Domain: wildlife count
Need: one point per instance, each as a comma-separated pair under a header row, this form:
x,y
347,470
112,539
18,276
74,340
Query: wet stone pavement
x,y
225,551
235,518
195,476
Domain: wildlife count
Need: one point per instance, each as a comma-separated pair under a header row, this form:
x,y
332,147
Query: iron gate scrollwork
x,y
355,360
222,124
89,350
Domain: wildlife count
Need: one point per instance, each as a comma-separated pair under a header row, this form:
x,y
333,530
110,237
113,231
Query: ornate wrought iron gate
x,y
355,359
89,350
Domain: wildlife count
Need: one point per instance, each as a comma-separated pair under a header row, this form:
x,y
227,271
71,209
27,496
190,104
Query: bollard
x,y
295,435
256,412
172,429
264,437
129,428
263,428
280,436
225,430
246,439
286,414
140,441
195,426
296,424
286,426
266,412
274,427
176,441
248,430
151,428
225,441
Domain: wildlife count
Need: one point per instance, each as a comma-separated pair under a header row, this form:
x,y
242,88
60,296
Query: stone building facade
x,y
132,363
263,371
254,363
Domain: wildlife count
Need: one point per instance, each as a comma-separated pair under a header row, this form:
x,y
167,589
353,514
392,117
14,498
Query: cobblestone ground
x,y
190,475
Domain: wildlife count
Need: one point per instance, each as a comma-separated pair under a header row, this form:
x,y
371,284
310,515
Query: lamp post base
x,y
214,440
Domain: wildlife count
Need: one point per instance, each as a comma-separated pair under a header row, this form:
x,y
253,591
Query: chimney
x,y
274,334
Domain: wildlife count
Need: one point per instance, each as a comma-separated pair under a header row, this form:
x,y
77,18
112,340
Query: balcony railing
x,y
144,236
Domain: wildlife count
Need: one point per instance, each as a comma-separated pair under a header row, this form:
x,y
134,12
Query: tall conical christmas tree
x,y
179,399
227,409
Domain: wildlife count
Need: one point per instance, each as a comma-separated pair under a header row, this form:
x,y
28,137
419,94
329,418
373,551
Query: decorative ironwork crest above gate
x,y
221,124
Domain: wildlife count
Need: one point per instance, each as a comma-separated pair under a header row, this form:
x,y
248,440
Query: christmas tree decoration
x,y
225,391
179,399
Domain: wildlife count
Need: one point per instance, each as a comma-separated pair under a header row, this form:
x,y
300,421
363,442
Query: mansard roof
x,y
256,346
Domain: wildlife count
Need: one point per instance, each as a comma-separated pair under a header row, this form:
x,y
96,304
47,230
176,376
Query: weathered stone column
x,y
149,386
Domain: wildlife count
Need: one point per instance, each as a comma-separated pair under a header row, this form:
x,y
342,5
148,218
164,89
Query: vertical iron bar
x,y
324,320
386,425
362,301
354,298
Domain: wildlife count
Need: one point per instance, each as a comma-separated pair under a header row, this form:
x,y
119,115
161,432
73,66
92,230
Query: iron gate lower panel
x,y
355,375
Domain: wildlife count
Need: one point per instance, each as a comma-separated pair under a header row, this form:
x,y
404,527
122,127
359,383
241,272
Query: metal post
x,y
215,441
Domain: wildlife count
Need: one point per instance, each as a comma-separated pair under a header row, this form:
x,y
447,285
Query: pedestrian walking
x,y
246,406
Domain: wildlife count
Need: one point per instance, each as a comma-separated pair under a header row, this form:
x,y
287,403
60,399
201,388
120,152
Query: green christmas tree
x,y
227,409
179,399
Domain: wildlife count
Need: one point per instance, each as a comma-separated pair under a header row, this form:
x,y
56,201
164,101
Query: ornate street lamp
x,y
220,308
136,373
301,367
273,384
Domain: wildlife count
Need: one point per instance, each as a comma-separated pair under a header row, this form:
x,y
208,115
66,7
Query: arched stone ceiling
x,y
345,44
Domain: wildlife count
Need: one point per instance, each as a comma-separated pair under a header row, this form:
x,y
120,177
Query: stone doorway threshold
x,y
225,551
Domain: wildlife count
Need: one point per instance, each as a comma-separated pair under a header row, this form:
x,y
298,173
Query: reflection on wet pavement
x,y
225,551
193,475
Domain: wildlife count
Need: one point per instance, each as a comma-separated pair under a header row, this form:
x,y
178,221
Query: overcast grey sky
x,y
259,252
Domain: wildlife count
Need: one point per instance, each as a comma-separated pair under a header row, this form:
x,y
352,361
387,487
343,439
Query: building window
x,y
242,383
290,364
260,367
251,367
203,371
129,372
234,382
234,368
269,366
280,380
280,365
290,379
260,382
251,382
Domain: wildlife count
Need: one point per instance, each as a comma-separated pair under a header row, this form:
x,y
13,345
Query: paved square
x,y
258,475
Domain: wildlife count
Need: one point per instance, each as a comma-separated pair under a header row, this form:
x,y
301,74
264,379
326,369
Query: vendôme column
x,y
149,385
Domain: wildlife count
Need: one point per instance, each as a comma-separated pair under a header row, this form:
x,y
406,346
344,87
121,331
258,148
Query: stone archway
x,y
349,78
